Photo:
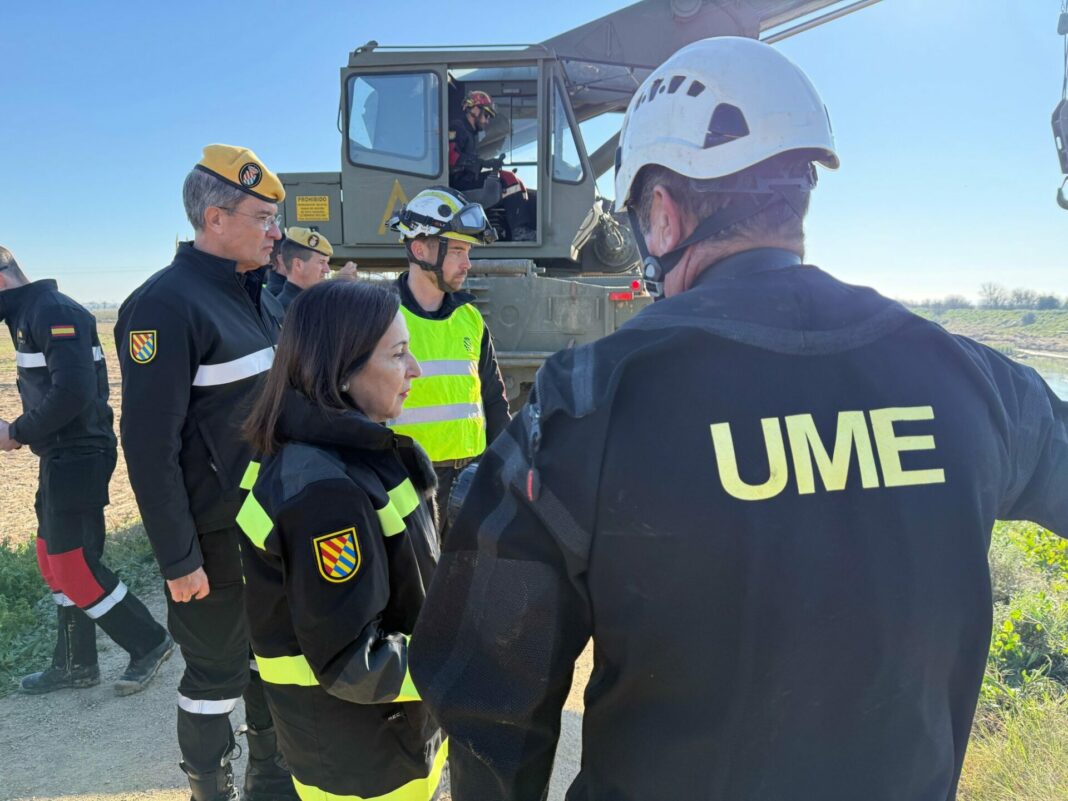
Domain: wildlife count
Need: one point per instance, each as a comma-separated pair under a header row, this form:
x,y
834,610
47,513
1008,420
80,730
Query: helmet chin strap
x,y
753,198
435,267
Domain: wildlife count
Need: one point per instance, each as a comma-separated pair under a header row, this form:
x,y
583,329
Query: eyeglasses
x,y
265,222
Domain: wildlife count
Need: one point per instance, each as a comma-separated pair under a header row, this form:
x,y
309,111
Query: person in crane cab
x,y
459,403
67,422
305,256
767,498
467,170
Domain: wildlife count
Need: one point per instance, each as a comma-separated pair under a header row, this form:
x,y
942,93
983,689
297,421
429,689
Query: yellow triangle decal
x,y
397,199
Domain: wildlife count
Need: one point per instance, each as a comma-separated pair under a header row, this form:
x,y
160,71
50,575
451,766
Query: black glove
x,y
493,164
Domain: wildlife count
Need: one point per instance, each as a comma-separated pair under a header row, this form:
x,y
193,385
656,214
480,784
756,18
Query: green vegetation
x,y
1006,329
27,613
1019,746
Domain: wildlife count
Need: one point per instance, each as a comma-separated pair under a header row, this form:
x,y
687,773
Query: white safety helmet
x,y
717,107
444,212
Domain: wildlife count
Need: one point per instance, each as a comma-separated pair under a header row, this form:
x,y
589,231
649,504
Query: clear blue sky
x,y
941,110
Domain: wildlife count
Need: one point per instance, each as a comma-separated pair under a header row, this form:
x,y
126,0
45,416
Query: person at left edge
x,y
194,342
66,421
340,549
305,257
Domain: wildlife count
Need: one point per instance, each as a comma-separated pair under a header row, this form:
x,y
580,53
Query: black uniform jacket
x,y
194,341
275,281
342,547
494,397
287,294
62,377
769,501
465,166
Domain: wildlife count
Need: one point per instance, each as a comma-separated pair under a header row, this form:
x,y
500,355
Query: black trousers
x,y
72,492
213,636
446,473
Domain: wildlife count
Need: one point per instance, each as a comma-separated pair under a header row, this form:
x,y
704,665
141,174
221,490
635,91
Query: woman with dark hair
x,y
341,549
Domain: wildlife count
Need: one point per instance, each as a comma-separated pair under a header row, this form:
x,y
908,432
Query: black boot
x,y
140,671
74,659
217,785
267,776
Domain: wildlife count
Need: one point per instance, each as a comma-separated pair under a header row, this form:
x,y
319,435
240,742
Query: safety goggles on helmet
x,y
469,221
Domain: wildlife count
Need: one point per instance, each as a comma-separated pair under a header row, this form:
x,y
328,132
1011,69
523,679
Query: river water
x,y
1058,382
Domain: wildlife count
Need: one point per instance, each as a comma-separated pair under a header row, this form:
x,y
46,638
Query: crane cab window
x,y
494,161
393,122
567,165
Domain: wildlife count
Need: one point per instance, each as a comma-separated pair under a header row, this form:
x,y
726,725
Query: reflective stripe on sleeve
x,y
403,500
415,790
286,670
436,367
32,360
438,414
212,375
107,603
203,707
254,521
252,665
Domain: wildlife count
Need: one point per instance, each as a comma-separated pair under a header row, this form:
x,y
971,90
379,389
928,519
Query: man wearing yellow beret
x,y
306,257
195,341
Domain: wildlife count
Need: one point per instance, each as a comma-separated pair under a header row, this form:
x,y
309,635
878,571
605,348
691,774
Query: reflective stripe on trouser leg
x,y
213,637
129,623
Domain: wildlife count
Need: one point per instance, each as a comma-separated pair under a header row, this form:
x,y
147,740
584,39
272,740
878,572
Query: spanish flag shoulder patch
x,y
63,331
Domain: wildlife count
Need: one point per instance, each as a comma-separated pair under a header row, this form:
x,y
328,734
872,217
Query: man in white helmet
x,y
459,404
767,499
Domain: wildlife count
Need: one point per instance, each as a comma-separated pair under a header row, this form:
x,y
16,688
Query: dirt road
x,y
89,745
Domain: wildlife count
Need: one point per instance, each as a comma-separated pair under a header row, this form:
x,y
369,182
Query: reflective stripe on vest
x,y
415,790
443,412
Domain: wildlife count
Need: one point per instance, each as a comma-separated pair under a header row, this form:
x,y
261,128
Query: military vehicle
x,y
560,107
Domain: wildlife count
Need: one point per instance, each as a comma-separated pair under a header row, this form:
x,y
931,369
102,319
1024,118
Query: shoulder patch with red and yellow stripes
x,y
338,555
63,331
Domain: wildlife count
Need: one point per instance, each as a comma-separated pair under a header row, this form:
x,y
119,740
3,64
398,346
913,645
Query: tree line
x,y
995,296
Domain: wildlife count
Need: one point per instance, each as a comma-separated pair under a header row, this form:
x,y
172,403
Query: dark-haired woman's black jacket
x,y
342,548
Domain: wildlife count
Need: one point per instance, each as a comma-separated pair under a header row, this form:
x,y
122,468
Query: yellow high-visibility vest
x,y
443,412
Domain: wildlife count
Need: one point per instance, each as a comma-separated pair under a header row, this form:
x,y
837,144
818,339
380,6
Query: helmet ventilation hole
x,y
727,124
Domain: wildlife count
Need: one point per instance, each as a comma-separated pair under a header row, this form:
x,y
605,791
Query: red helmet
x,y
480,99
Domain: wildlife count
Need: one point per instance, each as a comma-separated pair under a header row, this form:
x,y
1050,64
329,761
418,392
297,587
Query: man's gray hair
x,y
701,199
202,190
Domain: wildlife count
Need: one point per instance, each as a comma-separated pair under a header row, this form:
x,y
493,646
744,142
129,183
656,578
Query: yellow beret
x,y
241,168
312,240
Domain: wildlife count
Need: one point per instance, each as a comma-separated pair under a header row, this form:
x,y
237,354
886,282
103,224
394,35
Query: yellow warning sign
x,y
313,207
397,198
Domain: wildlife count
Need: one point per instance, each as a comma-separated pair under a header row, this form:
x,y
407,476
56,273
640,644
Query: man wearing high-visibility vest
x,y
458,405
